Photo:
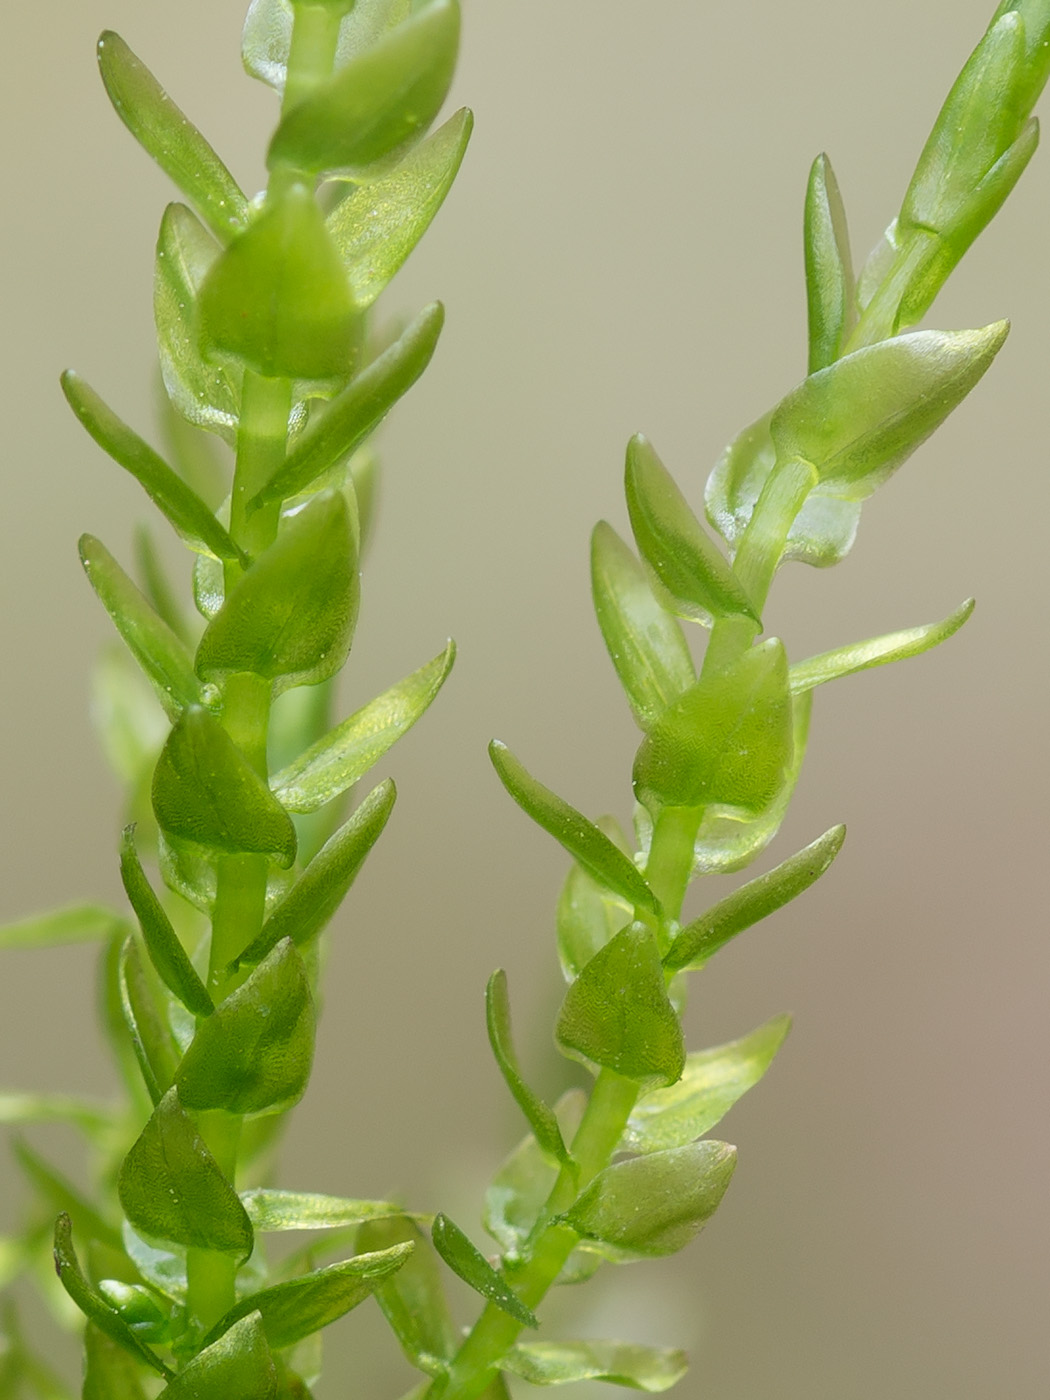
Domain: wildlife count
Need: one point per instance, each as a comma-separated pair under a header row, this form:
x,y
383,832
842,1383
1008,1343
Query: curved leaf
x,y
237,1366
474,1269
877,651
652,1369
539,1115
271,1210
162,942
829,268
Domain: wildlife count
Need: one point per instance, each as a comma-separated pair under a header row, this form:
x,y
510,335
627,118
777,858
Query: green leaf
x,y
381,100
237,1366
291,617
295,1309
109,1371
352,415
584,841
654,1205
60,1195
173,141
539,1115
201,391
156,586
588,916
673,543
379,222
702,938
277,299
268,34
317,894
205,790
413,1299
710,1085
151,1038
645,641
73,923
253,1055
346,753
162,942
163,1269
617,1013
822,532
300,1210
171,1187
726,741
524,1181
93,1118
877,651
91,1304
138,1307
474,1269
161,655
860,418
652,1369
730,840
829,267
165,488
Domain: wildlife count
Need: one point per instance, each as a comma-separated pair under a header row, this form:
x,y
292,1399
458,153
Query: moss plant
x,y
246,825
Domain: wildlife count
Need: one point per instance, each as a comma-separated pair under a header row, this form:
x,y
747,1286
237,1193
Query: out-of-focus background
x,y
622,252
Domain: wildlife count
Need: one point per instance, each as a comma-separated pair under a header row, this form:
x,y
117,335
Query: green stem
x,y
880,318
311,57
211,1277
262,440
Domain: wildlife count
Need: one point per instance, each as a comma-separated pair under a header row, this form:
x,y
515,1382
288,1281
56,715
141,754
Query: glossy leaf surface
x,y
521,1186
346,753
702,938
654,1205
644,640
165,488
652,1369
584,841
710,1085
237,1366
270,1210
673,542
161,655
277,299
877,651
317,894
173,141
301,1306
353,414
617,1013
253,1055
829,267
382,99
291,617
474,1269
413,1299
588,916
379,223
204,790
268,34
172,1189
539,1115
162,942
726,741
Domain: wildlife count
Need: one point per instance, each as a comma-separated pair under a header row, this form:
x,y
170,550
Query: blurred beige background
x,y
621,252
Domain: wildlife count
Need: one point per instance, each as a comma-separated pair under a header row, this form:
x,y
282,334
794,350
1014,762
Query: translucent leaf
x,y
303,1305
151,1037
673,543
109,1370
205,791
729,840
129,720
202,391
139,1308
726,741
320,890
378,102
474,1269
617,1013
291,617
584,841
413,1299
73,923
91,1304
877,651
277,298
270,1210
829,268
165,488
163,1269
539,1115
702,938
353,414
173,141
644,640
171,1187
710,1085
656,1204
344,755
521,1186
268,34
652,1369
379,222
162,942
237,1366
253,1055
588,916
